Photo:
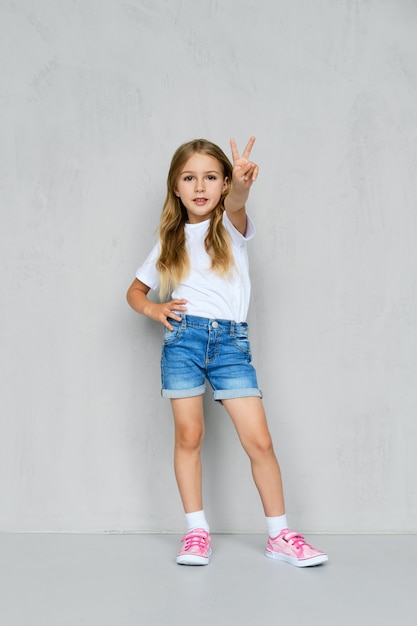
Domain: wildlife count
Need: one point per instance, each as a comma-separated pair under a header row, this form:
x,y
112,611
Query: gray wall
x,y
95,96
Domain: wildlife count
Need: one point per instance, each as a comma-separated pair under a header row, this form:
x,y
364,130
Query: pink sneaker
x,y
196,549
291,547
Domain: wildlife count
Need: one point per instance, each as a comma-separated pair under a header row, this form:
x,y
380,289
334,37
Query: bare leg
x,y
189,435
248,417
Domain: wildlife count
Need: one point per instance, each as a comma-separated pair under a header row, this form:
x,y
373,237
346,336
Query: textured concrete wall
x,y
95,96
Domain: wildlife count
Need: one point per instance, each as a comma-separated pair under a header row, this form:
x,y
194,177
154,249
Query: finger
x,y
235,153
170,315
250,170
174,307
177,305
248,148
247,166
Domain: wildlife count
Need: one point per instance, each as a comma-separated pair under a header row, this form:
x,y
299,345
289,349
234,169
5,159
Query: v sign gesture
x,y
244,174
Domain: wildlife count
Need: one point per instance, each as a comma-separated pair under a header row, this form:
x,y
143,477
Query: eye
x,y
188,178
212,177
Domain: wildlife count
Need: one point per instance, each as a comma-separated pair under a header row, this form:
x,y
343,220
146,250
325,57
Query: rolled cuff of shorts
x,y
229,394
183,393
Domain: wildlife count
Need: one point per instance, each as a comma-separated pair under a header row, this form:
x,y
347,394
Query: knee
x,y
190,439
260,446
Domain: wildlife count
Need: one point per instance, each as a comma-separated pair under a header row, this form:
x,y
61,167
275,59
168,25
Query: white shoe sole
x,y
193,559
316,560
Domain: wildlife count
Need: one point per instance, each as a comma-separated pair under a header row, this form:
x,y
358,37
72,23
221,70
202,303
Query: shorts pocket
x,y
240,338
172,336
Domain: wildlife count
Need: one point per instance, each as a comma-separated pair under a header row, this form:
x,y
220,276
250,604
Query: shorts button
x,y
214,324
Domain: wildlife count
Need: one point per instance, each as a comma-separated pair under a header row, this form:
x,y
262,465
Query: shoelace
x,y
194,539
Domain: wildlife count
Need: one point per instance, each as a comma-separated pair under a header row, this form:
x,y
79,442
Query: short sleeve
x,y
147,272
237,238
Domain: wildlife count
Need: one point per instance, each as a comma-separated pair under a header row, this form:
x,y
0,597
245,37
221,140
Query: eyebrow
x,y
207,172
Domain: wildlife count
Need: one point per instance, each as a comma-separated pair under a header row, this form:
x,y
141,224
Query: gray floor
x,y
124,580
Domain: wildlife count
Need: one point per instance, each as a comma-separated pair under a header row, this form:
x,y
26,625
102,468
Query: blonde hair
x,y
173,263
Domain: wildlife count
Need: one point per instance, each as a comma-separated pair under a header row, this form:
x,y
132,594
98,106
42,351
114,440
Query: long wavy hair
x,y
173,263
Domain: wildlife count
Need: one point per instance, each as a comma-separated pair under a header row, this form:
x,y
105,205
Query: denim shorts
x,y
199,348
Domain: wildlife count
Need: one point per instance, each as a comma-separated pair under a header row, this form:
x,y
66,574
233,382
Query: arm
x,y
138,300
244,174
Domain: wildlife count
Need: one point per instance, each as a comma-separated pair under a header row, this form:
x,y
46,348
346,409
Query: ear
x,y
226,184
176,193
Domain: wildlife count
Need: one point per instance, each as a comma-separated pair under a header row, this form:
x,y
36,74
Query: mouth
x,y
200,201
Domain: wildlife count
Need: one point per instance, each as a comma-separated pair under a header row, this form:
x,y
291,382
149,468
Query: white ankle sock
x,y
196,520
276,524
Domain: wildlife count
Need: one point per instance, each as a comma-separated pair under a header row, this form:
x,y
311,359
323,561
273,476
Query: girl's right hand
x,y
137,298
161,312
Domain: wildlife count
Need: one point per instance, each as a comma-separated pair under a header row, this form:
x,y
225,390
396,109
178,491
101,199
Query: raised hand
x,y
245,172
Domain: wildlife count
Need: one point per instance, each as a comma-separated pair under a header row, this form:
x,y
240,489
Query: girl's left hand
x,y
245,172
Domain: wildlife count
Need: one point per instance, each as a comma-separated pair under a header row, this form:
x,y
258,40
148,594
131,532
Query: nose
x,y
199,186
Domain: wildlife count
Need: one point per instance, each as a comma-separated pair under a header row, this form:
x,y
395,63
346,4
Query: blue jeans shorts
x,y
199,348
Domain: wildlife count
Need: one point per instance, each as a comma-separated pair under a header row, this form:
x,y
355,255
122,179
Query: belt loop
x,y
232,328
184,322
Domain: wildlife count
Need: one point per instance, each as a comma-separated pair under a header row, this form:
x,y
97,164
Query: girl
x,y
200,267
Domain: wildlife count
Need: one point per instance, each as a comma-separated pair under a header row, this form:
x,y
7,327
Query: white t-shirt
x,y
209,294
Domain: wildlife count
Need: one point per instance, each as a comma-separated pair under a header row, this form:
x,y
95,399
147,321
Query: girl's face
x,y
200,186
